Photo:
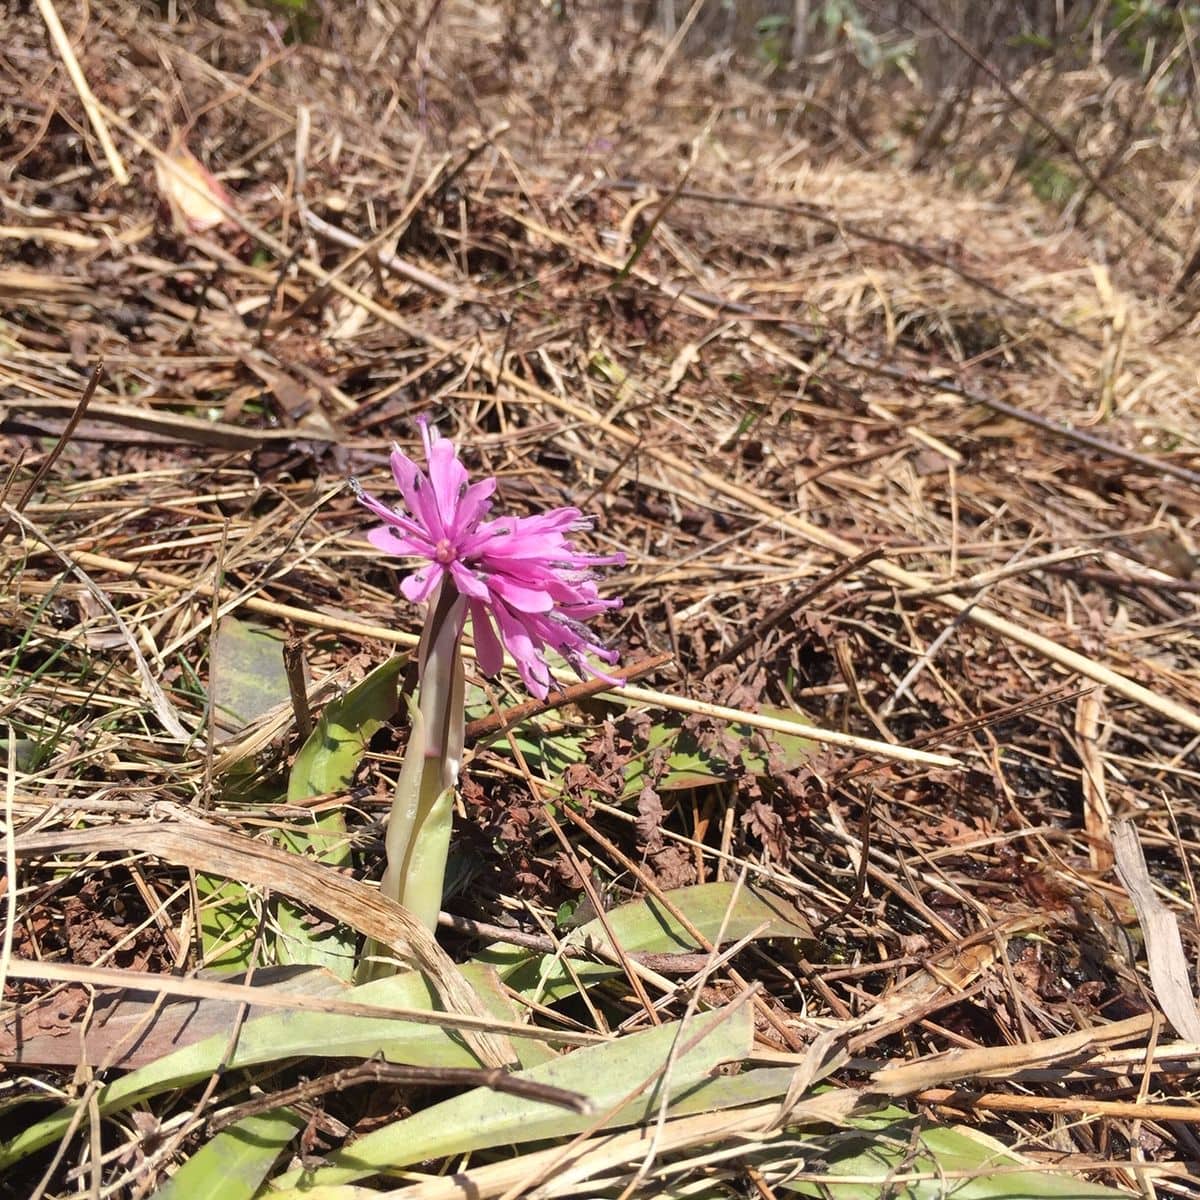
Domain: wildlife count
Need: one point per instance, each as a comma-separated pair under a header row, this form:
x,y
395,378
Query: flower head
x,y
527,588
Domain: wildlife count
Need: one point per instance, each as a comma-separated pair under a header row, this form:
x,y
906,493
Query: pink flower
x,y
527,588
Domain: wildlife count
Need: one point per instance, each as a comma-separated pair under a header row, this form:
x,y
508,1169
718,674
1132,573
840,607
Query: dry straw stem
x,y
1063,656
654,699
392,262
900,1079
1170,973
91,106
177,426
384,1073
1084,1106
827,737
984,579
473,1027
1097,811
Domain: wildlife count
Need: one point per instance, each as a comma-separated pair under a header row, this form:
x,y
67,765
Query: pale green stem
x,y
418,835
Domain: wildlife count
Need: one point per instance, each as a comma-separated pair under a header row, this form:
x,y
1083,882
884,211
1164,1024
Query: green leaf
x,y
227,923
248,680
897,1151
689,765
606,1074
793,749
325,764
328,760
645,925
234,1164
717,1093
248,677
295,1034
547,754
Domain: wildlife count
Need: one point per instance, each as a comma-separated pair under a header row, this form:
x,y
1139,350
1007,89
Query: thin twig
x,y
381,1072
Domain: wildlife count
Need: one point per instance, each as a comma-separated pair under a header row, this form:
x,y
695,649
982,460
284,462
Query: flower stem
x,y
418,835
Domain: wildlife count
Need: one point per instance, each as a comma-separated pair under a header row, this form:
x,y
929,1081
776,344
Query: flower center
x,y
444,552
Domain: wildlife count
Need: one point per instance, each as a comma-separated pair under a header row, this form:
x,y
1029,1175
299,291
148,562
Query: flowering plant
x,y
525,588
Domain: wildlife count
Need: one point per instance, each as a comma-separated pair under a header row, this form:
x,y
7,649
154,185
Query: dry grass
x,y
728,318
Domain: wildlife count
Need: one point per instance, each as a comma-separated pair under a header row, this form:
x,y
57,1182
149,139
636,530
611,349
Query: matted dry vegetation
x,y
907,451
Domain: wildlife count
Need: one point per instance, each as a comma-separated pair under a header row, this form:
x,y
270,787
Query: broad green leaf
x,y
295,1034
690,765
248,674
755,1086
327,761
894,1150
606,1074
248,680
548,755
227,923
325,764
646,926
716,1093
234,1164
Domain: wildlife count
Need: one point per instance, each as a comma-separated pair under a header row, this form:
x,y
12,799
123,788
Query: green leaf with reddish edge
x,y
296,1033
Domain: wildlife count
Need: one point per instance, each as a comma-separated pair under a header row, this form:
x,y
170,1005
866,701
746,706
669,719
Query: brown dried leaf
x,y
190,192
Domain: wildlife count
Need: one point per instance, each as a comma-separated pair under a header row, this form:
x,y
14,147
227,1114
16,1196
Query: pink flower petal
x,y
489,654
527,587
448,478
391,539
418,495
519,644
420,586
467,582
521,599
390,516
475,502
